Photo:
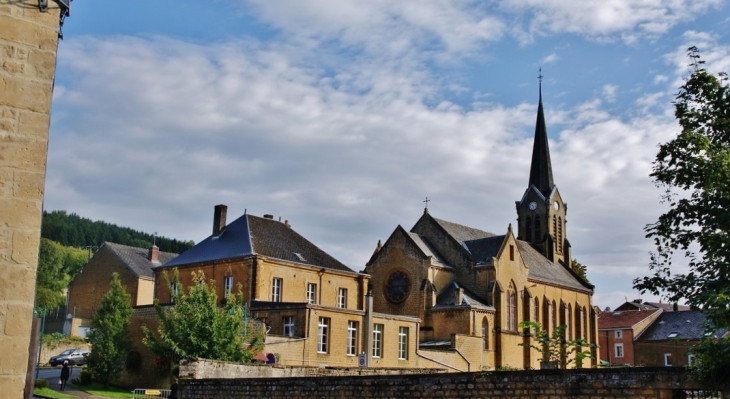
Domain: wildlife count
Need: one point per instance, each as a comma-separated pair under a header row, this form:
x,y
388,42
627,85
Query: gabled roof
x,y
462,233
543,269
137,259
623,319
427,249
637,304
687,325
252,235
483,249
447,297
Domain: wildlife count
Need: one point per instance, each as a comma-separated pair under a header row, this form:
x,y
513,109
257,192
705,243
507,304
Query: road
x,y
55,372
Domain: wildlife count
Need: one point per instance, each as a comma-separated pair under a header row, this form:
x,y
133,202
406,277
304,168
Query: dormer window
x,y
673,334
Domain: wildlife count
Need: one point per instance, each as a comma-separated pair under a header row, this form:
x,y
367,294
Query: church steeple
x,y
541,171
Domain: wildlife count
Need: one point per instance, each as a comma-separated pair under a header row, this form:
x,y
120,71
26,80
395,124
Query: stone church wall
x,y
629,383
28,44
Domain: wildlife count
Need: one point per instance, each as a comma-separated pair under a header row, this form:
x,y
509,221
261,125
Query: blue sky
x,y
342,116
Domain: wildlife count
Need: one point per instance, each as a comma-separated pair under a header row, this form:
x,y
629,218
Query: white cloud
x,y
549,59
609,92
600,19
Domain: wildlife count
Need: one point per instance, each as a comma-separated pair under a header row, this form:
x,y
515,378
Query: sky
x,y
343,116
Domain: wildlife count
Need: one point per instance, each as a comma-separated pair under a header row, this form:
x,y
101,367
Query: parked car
x,y
74,357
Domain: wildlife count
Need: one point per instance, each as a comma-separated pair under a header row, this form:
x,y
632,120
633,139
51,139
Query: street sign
x,y
361,360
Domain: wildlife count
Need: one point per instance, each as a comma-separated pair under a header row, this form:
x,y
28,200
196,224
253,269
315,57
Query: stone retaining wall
x,y
638,383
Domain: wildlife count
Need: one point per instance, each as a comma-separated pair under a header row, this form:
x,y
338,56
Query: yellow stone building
x,y
465,283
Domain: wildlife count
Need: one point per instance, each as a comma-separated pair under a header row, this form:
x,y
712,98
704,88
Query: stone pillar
x,y
28,43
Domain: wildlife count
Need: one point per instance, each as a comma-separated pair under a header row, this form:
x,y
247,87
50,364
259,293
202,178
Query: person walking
x,y
173,390
65,373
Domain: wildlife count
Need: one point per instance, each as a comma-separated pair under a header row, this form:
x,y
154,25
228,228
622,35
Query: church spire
x,y
541,172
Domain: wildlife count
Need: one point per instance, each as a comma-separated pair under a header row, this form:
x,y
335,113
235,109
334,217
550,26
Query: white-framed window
x,y
667,359
323,335
342,298
691,360
377,340
276,286
403,343
352,338
227,286
619,350
311,293
618,334
288,323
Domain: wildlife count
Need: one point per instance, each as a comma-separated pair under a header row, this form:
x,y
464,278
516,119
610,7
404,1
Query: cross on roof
x,y
427,201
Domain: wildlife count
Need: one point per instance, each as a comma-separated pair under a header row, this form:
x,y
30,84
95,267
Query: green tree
x,y
109,334
579,269
694,171
57,265
194,326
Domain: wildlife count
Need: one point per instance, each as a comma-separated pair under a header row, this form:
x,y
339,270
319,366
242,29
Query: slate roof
x,y
541,172
667,307
687,325
447,297
137,258
252,235
483,249
427,249
542,269
462,233
623,319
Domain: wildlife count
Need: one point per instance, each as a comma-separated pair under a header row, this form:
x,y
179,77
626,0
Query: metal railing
x,y
696,394
147,393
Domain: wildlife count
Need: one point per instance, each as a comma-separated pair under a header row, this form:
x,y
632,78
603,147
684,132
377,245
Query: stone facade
x,y
643,383
28,43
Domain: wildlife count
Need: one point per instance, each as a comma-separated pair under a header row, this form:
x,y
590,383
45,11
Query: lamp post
x,y
40,312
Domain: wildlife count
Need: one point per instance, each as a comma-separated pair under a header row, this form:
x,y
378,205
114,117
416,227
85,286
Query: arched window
x,y
485,333
560,234
569,322
536,316
585,323
578,322
555,227
554,316
538,233
546,314
512,308
528,229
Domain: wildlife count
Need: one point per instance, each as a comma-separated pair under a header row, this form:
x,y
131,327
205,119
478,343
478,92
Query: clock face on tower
x,y
533,205
397,286
556,206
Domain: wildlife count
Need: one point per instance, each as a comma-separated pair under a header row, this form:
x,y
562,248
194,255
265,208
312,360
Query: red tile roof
x,y
623,319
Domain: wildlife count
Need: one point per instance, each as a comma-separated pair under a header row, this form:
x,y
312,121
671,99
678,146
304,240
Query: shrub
x,y
84,377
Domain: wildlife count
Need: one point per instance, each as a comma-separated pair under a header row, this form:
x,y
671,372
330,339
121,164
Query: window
x,y
554,312
377,340
403,343
173,292
323,335
227,286
536,316
560,234
538,233
352,338
555,227
288,323
691,360
342,298
528,229
512,308
485,333
667,359
276,290
511,252
618,334
619,350
569,323
311,293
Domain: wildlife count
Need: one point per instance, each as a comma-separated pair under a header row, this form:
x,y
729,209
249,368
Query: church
x,y
464,283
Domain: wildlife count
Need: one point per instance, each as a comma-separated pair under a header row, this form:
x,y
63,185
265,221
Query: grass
x,y
50,393
98,389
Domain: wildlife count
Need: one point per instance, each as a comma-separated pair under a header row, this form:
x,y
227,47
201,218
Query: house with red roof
x,y
617,331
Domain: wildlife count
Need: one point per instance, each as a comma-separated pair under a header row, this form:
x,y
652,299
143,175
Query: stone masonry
x,y
28,44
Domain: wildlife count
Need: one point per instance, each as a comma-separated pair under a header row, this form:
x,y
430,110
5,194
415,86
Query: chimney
x,y
269,216
219,219
286,223
675,307
154,254
637,300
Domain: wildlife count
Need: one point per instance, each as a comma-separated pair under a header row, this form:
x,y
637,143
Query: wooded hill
x,y
72,230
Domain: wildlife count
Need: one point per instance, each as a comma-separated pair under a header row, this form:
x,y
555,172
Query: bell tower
x,y
541,211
